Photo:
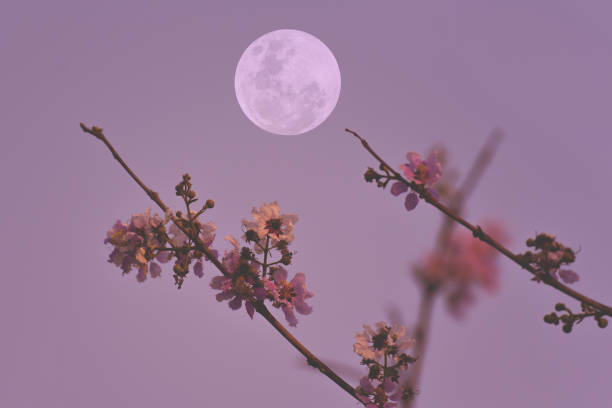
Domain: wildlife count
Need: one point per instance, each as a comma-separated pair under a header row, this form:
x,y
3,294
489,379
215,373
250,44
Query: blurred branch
x,y
429,293
259,306
478,232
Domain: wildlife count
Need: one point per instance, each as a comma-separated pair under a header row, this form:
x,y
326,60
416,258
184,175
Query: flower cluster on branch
x,y
382,352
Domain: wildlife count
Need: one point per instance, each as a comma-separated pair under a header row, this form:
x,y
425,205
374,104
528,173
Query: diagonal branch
x,y
259,306
477,232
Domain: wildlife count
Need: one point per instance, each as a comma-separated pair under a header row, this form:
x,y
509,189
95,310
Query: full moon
x,y
287,82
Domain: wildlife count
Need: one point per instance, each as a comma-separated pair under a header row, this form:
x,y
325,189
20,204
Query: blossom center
x,y
273,226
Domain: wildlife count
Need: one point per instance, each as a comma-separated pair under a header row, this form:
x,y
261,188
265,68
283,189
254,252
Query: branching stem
x,y
477,232
199,244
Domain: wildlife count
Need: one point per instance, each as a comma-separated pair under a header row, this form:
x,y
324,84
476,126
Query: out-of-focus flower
x,y
425,172
289,296
269,221
460,266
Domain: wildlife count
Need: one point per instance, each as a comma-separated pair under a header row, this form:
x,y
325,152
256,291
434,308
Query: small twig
x,y
484,237
260,307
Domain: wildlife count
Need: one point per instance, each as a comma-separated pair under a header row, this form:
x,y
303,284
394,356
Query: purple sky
x,y
158,77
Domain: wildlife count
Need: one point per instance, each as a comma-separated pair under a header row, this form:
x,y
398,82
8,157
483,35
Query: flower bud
x,y
370,175
251,235
559,307
602,322
209,203
551,318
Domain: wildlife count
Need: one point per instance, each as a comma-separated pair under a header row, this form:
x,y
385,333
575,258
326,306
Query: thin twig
x,y
477,232
259,306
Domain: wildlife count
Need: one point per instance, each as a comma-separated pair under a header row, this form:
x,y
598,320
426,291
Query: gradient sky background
x,y
159,77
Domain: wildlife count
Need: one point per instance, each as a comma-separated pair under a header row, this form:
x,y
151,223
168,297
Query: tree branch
x,y
477,232
259,306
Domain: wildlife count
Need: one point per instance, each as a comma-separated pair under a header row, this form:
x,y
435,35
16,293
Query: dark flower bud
x,y
559,307
209,203
370,175
251,235
551,319
374,371
286,257
245,253
602,322
568,256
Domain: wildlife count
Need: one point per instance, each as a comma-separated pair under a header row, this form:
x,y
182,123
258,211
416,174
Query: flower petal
x,y
155,270
412,199
235,303
249,308
398,188
568,276
198,269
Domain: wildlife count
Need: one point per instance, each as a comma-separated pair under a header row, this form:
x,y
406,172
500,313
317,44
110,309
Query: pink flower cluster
x,y
425,172
144,238
136,243
382,351
252,280
550,255
460,266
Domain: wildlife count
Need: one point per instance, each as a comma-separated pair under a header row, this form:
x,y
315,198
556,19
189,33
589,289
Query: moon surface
x,y
287,82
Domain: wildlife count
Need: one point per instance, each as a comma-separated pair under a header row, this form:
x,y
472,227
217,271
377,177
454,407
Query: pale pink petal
x,y
408,172
388,385
279,274
366,385
414,159
289,315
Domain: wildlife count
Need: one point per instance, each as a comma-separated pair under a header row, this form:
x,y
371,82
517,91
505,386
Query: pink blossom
x,y
268,221
422,171
136,242
239,283
289,296
425,172
385,340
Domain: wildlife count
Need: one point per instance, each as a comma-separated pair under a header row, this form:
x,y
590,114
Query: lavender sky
x,y
158,77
